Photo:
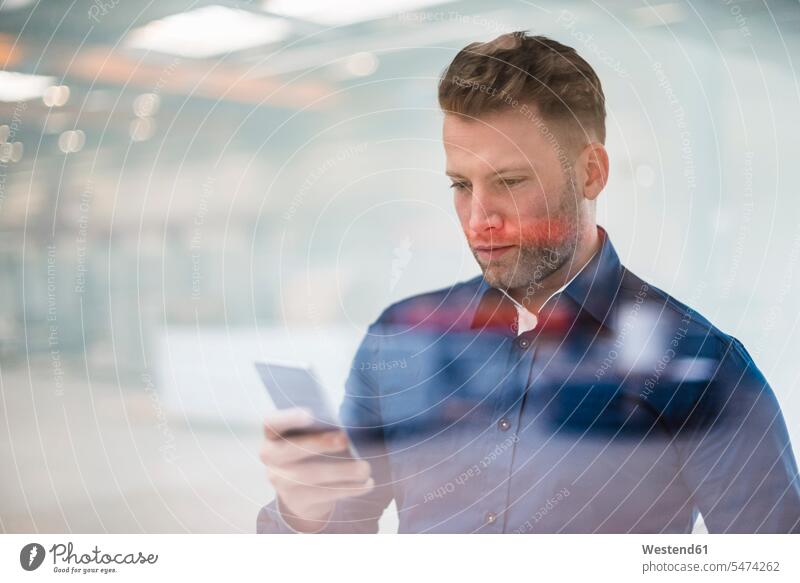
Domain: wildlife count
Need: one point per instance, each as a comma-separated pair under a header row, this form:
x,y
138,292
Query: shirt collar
x,y
594,289
527,320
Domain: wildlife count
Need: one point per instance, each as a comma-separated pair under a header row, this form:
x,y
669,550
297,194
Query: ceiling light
x,y
21,87
344,11
660,14
361,64
16,151
56,96
10,5
11,152
208,31
71,141
142,129
146,104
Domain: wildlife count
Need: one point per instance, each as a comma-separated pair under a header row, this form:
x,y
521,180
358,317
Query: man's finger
x,y
294,449
283,420
321,494
315,472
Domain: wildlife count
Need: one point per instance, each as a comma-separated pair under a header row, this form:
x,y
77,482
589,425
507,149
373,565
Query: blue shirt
x,y
622,411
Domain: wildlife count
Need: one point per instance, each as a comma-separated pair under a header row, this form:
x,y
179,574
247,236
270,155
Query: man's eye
x,y
508,183
459,185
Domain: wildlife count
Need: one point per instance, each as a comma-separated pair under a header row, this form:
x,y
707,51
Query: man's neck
x,y
534,299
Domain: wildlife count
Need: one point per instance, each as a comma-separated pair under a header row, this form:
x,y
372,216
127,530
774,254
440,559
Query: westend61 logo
x,y
66,560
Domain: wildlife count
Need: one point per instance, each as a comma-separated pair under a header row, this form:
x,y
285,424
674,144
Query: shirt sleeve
x,y
360,415
737,459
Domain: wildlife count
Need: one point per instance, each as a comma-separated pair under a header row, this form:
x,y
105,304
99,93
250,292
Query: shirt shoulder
x,y
442,307
670,316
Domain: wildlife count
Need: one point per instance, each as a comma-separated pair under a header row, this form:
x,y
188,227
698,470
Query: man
x,y
556,393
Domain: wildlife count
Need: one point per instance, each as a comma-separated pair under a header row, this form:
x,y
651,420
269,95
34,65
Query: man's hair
x,y
516,70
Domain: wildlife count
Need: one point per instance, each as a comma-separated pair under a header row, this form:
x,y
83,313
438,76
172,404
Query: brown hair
x,y
516,70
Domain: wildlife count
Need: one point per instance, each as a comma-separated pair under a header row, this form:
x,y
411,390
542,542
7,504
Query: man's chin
x,y
498,277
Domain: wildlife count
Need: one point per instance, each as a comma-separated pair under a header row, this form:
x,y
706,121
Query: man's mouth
x,y
490,252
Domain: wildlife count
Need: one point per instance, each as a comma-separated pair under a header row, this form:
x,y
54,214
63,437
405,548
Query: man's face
x,y
515,195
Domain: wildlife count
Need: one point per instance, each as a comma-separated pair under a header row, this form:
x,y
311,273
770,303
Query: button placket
x,y
507,411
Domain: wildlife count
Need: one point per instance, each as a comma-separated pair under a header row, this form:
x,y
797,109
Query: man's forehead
x,y
488,161
526,115
497,122
488,146
504,133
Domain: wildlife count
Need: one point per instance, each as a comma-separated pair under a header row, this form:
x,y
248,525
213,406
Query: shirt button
x,y
524,342
504,424
491,517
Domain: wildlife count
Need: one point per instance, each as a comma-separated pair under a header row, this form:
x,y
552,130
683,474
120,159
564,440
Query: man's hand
x,y
307,475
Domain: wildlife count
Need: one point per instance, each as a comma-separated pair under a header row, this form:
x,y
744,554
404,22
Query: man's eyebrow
x,y
498,172
512,169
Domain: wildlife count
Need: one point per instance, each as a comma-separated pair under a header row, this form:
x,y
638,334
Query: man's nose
x,y
483,216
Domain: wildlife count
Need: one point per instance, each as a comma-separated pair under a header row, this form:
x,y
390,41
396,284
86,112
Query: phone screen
x,y
292,386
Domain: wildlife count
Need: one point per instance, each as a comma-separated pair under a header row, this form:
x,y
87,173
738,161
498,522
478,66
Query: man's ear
x,y
593,160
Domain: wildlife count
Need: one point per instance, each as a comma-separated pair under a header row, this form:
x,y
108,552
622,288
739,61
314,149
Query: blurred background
x,y
187,187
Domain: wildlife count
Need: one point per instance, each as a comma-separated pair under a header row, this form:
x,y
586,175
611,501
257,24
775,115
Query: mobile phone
x,y
296,386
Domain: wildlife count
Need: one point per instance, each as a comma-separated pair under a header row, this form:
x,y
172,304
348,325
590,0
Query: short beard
x,y
537,261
